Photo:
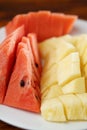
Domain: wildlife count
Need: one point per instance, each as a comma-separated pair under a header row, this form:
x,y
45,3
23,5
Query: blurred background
x,y
9,8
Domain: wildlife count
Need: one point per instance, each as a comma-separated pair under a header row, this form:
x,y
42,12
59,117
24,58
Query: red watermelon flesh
x,y
44,27
27,40
32,22
21,92
16,22
44,23
25,44
56,24
35,51
7,58
69,21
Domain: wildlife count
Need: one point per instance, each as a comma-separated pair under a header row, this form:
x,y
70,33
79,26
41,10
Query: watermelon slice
x,y
22,91
44,23
37,73
26,44
7,58
35,51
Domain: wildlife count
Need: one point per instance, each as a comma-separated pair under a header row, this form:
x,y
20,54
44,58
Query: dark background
x,y
9,8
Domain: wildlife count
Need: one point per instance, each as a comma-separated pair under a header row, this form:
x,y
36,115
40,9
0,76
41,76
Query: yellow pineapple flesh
x,y
73,107
53,110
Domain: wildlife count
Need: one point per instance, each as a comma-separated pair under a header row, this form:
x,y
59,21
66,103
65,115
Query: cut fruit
x,y
26,42
35,51
44,23
68,69
56,47
75,86
83,98
84,58
49,78
73,107
58,54
52,110
22,90
52,92
7,59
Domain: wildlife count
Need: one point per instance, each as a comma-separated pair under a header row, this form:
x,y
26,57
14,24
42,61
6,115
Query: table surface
x,y
9,8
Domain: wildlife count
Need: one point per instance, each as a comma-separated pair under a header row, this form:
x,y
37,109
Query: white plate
x,y
28,120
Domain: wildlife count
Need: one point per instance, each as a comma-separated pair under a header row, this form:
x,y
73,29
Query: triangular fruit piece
x,y
44,23
37,73
21,91
7,58
35,50
26,44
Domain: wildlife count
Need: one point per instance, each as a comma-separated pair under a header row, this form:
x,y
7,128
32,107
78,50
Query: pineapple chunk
x,y
52,92
49,46
76,40
52,110
83,98
75,86
66,38
49,78
84,58
57,55
68,69
80,42
73,106
81,46
59,73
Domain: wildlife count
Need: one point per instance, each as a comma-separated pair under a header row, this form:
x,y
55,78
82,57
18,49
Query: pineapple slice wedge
x,y
66,38
59,73
80,42
84,58
68,69
49,78
53,110
52,92
83,98
75,86
73,107
58,54
50,45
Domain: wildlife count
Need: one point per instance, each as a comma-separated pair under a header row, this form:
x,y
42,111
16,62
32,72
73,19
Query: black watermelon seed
x,y
22,83
36,65
36,97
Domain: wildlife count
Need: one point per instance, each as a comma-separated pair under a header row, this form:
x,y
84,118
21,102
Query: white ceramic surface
x,y
32,121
